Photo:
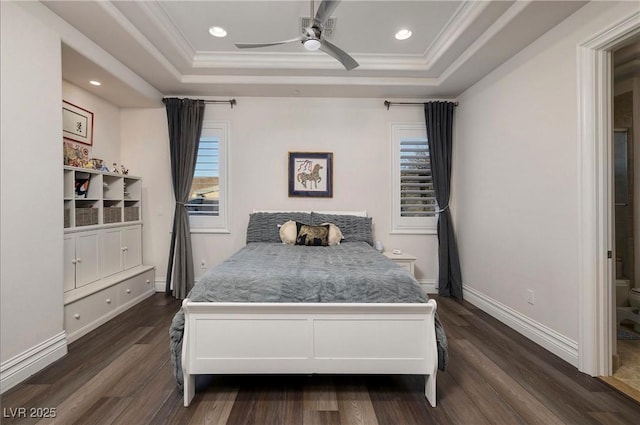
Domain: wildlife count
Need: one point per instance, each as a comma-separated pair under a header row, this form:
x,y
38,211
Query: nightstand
x,y
405,260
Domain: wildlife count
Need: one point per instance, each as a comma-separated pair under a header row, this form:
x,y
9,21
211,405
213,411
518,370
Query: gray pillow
x,y
263,226
354,229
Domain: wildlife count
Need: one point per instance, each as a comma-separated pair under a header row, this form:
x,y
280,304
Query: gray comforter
x,y
275,272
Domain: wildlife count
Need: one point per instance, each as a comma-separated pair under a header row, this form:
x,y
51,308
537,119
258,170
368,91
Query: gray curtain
x,y
184,117
439,122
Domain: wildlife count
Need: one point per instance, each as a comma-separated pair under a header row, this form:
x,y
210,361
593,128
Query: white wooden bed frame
x,y
307,338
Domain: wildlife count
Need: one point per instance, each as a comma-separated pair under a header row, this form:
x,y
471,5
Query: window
x,y
204,198
414,201
208,199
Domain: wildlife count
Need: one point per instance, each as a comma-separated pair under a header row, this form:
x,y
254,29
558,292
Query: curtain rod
x,y
388,104
231,102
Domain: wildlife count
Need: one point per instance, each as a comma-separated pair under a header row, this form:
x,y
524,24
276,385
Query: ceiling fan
x,y
311,37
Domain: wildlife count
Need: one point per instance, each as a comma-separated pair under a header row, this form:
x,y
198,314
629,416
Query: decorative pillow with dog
x,y
312,235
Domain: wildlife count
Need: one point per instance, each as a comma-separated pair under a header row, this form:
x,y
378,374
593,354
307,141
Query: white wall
x,y
106,122
31,189
515,176
262,132
145,151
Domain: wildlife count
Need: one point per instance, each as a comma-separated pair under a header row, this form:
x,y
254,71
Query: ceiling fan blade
x,y
325,10
275,43
343,57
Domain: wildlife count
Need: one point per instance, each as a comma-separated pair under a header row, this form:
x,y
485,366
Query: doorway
x,y
596,266
626,185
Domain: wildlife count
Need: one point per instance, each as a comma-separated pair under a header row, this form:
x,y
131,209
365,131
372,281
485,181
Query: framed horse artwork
x,y
311,174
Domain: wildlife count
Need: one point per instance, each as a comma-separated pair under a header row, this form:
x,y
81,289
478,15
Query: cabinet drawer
x,y
404,260
405,264
132,288
87,310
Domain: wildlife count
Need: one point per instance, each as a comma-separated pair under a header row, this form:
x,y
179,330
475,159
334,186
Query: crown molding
x,y
500,23
466,14
304,60
163,22
310,80
134,32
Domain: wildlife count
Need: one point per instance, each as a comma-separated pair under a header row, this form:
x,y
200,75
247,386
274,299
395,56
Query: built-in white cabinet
x,y
121,249
112,252
103,270
81,259
84,314
132,249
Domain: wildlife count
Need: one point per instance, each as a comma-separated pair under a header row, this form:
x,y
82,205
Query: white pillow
x,y
335,235
289,232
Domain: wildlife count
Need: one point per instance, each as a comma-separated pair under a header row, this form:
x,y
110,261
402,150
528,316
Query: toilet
x,y
626,295
622,292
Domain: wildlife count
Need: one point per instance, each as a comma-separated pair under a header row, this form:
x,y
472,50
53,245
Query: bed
x,y
278,308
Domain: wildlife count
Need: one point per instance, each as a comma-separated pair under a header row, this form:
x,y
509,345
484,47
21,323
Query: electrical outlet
x,y
203,264
530,297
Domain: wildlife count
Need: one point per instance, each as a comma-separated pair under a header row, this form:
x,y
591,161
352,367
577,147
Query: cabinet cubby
x,y
97,198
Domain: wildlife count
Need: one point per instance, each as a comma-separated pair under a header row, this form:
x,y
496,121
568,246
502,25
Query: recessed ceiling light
x,y
95,83
403,34
217,32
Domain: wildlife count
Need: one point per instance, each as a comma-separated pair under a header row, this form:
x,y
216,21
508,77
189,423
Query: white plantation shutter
x,y
417,198
207,167
413,198
207,164
209,194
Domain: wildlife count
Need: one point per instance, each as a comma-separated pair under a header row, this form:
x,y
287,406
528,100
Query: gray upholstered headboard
x,y
362,213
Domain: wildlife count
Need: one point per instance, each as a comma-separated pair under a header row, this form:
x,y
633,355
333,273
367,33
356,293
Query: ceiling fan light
x,y
403,34
311,44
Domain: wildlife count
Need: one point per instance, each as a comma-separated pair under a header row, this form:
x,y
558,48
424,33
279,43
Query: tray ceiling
x,y
167,43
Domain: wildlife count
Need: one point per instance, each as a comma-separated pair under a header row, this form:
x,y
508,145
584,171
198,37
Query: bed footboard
x,y
307,338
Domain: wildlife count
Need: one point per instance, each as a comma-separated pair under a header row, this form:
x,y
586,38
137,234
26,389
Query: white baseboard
x,y
558,344
160,285
22,366
429,286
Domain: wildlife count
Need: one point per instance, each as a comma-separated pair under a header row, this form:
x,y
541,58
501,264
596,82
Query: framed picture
x,y
311,174
77,124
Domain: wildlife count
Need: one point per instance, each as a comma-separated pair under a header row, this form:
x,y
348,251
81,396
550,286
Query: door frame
x,y
596,319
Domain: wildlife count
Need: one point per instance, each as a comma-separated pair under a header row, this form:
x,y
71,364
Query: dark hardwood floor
x,y
121,374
